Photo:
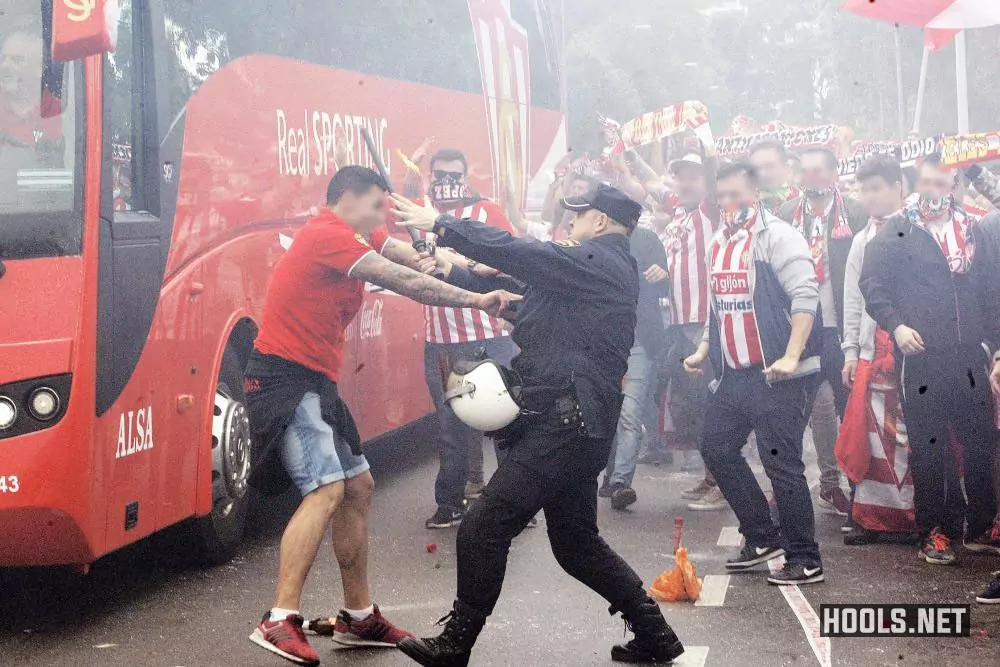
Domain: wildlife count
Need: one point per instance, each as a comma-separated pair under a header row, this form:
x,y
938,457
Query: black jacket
x,y
274,388
647,250
905,279
576,324
837,249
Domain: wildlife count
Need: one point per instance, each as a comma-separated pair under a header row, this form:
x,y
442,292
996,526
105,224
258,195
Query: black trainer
x,y
858,536
622,496
604,491
445,518
795,574
451,648
751,556
655,642
992,593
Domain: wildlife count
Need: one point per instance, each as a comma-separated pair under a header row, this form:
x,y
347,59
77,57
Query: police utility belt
x,y
490,398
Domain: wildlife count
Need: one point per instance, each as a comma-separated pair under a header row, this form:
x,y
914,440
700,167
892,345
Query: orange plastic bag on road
x,y
678,583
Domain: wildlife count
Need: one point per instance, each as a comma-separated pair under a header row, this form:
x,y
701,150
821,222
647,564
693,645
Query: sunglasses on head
x,y
440,174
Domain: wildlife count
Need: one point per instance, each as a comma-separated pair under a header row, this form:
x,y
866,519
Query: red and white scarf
x,y
815,232
953,237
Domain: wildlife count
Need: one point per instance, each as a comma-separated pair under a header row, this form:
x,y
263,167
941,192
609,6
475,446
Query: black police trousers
x,y
555,470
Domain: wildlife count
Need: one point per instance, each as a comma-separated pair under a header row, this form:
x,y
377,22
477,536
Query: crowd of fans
x,y
896,269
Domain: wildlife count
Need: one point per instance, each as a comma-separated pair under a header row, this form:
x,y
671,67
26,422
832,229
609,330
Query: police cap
x,y
608,200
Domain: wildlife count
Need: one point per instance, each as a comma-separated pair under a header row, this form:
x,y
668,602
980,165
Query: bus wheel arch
x,y
221,531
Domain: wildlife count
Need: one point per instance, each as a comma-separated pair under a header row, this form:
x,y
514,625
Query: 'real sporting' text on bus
x,y
307,146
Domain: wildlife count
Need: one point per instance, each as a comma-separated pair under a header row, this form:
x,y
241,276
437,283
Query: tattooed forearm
x,y
409,283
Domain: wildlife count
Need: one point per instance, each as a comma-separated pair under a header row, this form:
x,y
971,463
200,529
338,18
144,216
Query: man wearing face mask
x,y
765,356
575,329
454,335
695,222
828,221
924,281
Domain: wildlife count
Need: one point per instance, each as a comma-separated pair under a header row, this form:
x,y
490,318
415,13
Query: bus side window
x,y
122,117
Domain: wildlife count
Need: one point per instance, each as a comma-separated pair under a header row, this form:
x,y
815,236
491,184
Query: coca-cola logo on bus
x,y
368,322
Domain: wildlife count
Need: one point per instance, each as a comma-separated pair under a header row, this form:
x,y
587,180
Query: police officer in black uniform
x,y
574,328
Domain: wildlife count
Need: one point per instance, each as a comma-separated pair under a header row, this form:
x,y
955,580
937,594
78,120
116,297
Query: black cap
x,y
608,200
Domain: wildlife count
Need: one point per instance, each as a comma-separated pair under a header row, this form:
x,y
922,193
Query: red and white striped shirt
x,y
464,325
730,275
687,237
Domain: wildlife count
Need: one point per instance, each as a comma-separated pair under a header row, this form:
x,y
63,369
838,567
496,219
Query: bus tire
x,y
221,531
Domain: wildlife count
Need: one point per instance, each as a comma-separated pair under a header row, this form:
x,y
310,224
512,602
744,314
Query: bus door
x,y
135,406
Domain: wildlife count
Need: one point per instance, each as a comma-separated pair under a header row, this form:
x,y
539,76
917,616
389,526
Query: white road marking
x,y
694,656
730,537
713,590
443,605
806,615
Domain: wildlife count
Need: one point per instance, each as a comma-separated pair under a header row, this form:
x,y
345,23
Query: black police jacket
x,y
577,321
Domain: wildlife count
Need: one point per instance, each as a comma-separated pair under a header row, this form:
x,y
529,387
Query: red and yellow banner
x,y
961,150
668,121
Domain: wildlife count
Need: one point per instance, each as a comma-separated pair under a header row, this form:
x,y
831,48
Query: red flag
x,y
936,39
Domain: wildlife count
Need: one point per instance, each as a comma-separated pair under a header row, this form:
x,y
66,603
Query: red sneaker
x,y
285,638
376,630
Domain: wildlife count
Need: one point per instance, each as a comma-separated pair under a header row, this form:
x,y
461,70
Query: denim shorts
x,y
313,453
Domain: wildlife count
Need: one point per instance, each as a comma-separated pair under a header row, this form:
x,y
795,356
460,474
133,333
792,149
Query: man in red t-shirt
x,y
297,414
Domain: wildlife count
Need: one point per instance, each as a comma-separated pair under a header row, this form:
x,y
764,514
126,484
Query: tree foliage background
x,y
800,61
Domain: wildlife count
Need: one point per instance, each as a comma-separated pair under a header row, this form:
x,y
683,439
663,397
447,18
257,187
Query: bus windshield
x,y
40,215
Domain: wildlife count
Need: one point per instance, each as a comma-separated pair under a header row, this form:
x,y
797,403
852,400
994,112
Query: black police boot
x,y
451,648
655,642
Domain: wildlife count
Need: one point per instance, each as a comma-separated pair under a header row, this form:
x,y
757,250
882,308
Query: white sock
x,y
279,614
361,614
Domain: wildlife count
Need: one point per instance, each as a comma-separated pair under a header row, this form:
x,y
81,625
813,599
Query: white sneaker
x,y
711,501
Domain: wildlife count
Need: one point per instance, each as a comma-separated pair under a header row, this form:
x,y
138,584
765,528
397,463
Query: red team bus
x,y
146,194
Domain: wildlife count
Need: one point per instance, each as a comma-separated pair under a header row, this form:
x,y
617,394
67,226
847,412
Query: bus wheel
x,y
222,530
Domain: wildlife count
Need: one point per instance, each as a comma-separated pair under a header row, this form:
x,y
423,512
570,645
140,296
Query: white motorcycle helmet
x,y
481,398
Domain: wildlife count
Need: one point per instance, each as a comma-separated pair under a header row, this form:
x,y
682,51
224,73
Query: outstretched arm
x,y
545,265
424,289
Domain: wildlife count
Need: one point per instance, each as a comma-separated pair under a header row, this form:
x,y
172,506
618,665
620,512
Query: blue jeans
x,y
456,440
628,439
313,452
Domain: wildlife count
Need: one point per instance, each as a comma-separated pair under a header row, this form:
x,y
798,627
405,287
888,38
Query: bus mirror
x,y
82,28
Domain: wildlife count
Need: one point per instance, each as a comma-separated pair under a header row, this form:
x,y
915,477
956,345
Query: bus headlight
x,y
8,413
43,404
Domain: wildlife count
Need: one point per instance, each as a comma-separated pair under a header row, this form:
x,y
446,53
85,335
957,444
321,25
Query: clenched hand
x,y
655,274
909,340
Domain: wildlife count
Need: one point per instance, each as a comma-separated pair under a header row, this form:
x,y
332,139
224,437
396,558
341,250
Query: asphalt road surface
x,y
148,606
